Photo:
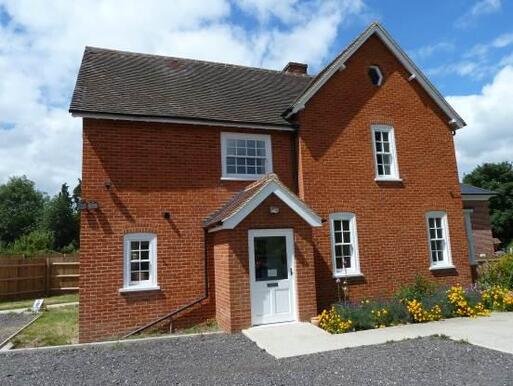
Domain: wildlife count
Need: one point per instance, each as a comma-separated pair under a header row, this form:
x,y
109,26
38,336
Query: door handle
x,y
291,273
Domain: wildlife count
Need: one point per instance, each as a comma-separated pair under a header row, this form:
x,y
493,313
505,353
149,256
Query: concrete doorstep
x,y
293,339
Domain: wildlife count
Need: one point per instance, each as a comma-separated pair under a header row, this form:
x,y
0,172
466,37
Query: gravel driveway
x,y
11,322
234,360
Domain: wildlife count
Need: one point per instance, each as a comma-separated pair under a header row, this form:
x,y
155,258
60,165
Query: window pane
x,y
386,169
134,245
145,255
231,151
338,237
431,222
230,161
251,143
384,135
386,147
260,170
439,233
231,143
231,169
338,263
379,147
338,250
270,258
144,276
261,144
261,152
347,261
432,233
145,266
241,170
337,225
438,222
346,250
377,136
380,170
145,245
252,152
345,225
241,151
347,237
134,266
387,159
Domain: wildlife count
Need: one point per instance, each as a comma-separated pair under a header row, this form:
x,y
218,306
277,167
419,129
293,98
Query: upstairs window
x,y
375,75
344,245
385,156
438,236
245,156
140,256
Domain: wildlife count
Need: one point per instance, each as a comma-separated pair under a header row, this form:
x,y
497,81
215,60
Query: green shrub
x,y
29,244
418,290
371,314
498,273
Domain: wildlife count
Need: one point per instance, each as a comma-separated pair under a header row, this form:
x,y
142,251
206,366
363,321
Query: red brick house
x,y
242,194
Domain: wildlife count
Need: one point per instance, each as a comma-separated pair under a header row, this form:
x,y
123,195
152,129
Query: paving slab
x,y
293,339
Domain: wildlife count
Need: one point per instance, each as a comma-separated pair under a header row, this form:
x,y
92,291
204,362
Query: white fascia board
x,y
476,197
414,71
291,201
120,117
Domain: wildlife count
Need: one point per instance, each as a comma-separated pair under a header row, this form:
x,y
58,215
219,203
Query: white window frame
x,y
380,75
447,257
394,168
145,285
257,137
355,258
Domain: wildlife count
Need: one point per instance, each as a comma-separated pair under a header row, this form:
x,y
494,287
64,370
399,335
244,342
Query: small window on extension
x,y
375,75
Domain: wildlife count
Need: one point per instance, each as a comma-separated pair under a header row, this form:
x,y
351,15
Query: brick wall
x,y
233,302
481,228
153,168
177,168
337,174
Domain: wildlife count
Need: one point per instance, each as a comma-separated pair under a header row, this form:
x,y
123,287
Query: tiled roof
x,y
242,198
474,190
124,83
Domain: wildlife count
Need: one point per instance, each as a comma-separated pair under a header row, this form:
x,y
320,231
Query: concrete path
x,y
292,339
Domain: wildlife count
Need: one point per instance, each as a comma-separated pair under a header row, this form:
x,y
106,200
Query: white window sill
x,y
440,267
346,275
388,179
139,289
241,178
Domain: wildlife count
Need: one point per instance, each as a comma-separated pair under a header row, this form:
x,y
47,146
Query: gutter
x,y
186,306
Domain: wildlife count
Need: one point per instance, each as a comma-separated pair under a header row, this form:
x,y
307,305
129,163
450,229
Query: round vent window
x,y
375,75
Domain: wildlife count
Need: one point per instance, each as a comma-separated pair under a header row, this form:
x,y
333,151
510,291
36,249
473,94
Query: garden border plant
x,y
422,301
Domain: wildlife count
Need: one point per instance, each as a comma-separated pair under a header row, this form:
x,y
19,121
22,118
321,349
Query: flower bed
x,y
418,303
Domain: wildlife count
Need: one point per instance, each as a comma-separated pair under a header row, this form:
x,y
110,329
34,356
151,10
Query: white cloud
x,y
489,134
42,43
430,49
481,7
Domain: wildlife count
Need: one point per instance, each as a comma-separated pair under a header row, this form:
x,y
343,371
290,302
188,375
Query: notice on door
x,y
272,272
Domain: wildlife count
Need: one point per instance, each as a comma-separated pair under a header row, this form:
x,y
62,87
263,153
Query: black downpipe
x,y
187,306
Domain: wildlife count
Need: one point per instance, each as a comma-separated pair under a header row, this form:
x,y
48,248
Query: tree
x,y
499,178
60,219
20,208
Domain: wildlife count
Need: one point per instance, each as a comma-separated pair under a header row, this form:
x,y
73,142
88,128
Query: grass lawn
x,y
55,327
57,299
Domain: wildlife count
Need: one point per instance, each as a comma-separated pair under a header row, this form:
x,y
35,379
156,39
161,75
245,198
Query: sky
x,y
464,46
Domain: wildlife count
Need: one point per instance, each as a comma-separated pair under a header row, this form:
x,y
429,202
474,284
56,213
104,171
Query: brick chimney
x,y
296,68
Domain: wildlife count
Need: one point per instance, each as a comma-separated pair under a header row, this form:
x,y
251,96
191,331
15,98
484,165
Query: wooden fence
x,y
42,276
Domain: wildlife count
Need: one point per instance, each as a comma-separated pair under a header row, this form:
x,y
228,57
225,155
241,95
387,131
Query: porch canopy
x,y
245,201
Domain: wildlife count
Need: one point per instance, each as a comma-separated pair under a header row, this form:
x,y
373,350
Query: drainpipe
x,y
186,306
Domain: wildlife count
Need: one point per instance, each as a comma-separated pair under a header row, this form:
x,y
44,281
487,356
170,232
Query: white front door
x,y
271,269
